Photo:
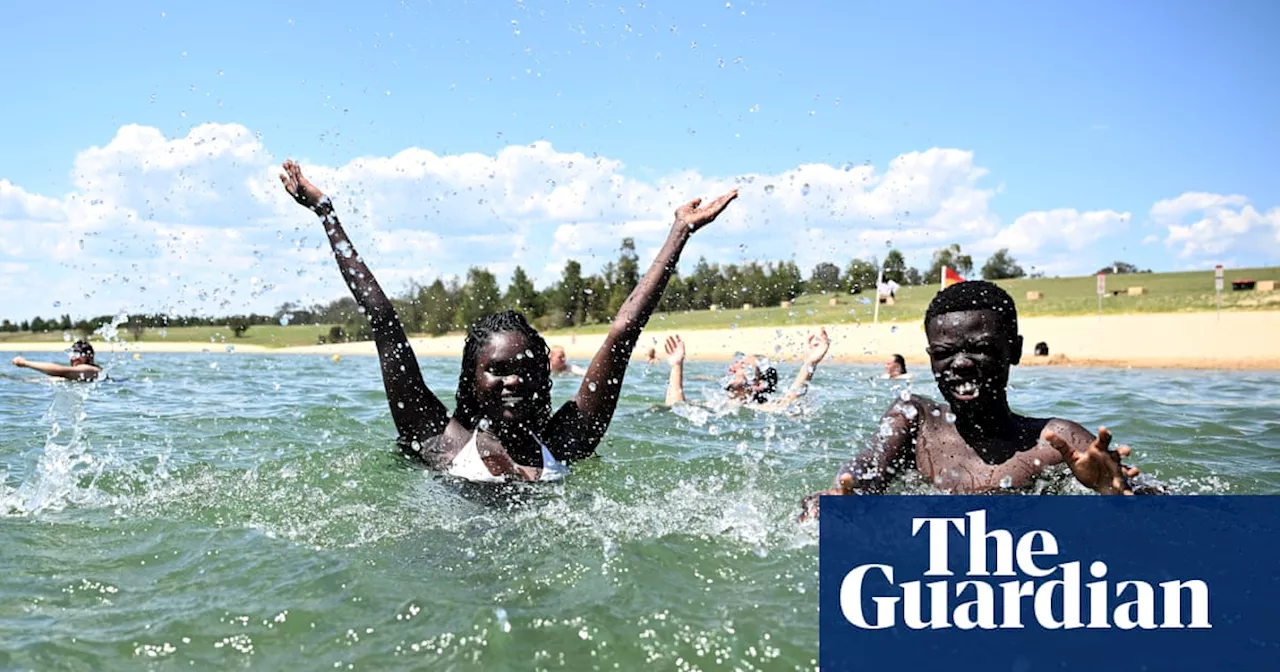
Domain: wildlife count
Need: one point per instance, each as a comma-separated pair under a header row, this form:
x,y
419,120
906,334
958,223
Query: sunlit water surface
x,y
221,509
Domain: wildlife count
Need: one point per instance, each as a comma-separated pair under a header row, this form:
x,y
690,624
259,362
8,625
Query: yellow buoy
x,y
337,358
137,355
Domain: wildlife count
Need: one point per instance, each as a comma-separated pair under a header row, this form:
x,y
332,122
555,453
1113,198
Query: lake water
x,y
229,510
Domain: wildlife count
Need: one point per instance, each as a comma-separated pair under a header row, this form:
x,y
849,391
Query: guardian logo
x,y
1054,583
1053,594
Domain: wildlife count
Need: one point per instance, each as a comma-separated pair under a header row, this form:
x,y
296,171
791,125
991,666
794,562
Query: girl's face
x,y
512,379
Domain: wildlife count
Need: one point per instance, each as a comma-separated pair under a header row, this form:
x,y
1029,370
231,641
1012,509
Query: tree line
x,y
574,300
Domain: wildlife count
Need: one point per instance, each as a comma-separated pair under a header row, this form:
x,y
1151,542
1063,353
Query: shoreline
x,y
1232,341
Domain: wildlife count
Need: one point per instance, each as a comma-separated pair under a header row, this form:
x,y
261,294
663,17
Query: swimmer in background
x,y
503,428
560,366
82,366
747,382
896,369
973,443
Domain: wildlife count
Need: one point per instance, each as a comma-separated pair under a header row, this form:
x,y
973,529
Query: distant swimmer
x,y
748,382
896,369
559,365
1042,349
974,443
502,428
82,366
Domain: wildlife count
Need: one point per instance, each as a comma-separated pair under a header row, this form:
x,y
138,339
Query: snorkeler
x,y
747,382
559,365
974,443
896,369
503,428
82,366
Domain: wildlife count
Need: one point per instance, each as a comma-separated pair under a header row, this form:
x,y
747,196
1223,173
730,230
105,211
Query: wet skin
x,y
974,443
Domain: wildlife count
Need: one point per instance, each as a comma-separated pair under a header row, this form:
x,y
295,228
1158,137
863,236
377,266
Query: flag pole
x,y
879,279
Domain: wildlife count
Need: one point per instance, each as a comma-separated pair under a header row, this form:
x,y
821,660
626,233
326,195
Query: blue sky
x,y
1087,106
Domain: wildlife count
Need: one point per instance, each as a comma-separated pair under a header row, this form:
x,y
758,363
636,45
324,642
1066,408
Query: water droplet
x,y
951,418
935,412
1006,482
502,619
910,412
905,395
768,188
57,304
213,365
804,191
591,386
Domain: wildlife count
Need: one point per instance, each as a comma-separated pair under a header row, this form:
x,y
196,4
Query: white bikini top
x,y
468,465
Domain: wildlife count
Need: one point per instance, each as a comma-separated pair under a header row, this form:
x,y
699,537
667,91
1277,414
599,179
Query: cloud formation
x,y
200,224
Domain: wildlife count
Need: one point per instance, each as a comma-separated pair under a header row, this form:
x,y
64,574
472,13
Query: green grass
x,y
1166,293
266,335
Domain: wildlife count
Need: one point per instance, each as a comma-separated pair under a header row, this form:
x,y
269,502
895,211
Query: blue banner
x,y
1025,583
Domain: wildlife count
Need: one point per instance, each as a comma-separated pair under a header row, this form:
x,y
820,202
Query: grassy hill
x,y
1166,293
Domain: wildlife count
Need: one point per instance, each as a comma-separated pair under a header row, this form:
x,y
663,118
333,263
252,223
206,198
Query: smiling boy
x,y
974,443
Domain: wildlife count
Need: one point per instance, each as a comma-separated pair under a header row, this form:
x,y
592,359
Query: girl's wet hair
x,y
478,335
85,350
975,295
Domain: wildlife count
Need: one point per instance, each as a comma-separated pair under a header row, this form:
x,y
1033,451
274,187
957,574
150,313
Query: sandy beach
x,y
1244,340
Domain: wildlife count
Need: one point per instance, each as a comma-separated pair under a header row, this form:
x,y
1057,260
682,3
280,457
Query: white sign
x,y
1217,277
1102,284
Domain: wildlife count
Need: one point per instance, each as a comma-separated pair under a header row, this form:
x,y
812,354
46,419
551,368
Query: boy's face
x,y
970,352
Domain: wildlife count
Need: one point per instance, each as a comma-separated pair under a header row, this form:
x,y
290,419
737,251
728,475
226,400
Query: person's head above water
x,y
747,379
558,361
82,353
896,366
972,328
506,373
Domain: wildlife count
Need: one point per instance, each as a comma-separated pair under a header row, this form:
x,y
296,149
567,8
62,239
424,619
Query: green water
x,y
226,510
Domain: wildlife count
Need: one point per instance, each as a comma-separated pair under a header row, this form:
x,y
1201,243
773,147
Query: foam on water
x,y
243,514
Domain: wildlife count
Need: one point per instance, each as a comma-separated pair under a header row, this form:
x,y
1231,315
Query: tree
x,y
439,306
895,267
522,296
1121,267
703,284
860,274
788,279
948,256
626,275
238,324
1001,266
136,327
480,296
825,277
25,326
913,277
569,297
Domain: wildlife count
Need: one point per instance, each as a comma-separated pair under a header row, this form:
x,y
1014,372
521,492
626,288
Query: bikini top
x,y
468,465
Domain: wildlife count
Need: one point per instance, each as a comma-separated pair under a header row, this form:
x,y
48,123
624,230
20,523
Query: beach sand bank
x,y
1239,341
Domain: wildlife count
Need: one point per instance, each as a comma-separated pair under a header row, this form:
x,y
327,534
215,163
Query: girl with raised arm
x,y
503,428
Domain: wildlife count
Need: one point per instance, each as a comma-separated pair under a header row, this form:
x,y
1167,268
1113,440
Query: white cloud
x,y
201,224
1206,226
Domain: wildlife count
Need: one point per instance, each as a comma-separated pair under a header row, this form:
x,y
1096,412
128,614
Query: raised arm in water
x,y
418,414
580,425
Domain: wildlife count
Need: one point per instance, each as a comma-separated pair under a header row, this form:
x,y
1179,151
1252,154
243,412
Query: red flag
x,y
950,277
